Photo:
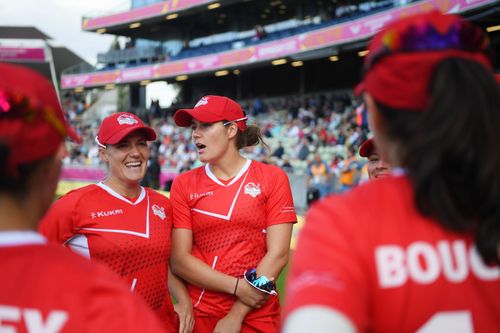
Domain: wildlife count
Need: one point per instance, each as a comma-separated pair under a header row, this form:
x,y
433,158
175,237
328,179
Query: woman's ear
x,y
232,130
103,155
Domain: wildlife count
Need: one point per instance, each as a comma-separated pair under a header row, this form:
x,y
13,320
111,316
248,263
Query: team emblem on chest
x,y
160,211
252,189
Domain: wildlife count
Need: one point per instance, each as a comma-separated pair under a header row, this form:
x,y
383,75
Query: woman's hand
x,y
186,319
250,295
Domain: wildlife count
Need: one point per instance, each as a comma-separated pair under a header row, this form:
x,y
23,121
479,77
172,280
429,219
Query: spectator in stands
x,y
303,149
232,218
348,171
417,251
154,110
323,138
377,168
45,288
260,32
286,165
115,45
122,224
318,176
279,151
130,44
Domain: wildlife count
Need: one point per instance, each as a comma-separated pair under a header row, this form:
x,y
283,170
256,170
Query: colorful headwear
x,y
32,122
117,126
211,109
402,57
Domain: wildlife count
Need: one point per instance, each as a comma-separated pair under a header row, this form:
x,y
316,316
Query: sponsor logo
x,y
94,215
200,195
202,101
126,120
252,189
159,211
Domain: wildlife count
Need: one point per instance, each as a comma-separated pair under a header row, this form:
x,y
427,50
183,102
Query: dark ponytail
x,y
452,151
252,136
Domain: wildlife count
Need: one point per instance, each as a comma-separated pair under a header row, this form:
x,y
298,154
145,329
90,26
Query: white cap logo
x,y
202,101
126,120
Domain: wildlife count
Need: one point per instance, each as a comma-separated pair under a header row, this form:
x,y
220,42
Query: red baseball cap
x,y
32,122
118,125
211,109
366,148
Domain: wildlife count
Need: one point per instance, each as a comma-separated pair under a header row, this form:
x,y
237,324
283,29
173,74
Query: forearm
x,y
278,248
197,272
272,263
177,288
240,310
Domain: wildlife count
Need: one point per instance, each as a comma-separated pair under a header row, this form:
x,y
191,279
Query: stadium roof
x,y
23,40
11,32
118,23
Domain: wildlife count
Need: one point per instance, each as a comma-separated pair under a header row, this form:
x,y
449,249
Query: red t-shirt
x,y
44,288
370,255
132,237
229,222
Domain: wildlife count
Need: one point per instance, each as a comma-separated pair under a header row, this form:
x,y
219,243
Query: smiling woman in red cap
x,y
122,224
417,251
45,288
232,223
377,168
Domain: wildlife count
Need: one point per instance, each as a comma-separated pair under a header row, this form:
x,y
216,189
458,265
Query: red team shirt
x,y
372,256
229,222
132,237
44,288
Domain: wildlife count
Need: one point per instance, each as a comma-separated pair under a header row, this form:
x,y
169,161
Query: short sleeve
x,y
180,207
327,267
280,207
58,223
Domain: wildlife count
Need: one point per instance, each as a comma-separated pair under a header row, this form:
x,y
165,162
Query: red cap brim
x,y
366,148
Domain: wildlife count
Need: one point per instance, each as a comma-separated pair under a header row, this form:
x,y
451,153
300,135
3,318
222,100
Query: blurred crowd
x,y
316,136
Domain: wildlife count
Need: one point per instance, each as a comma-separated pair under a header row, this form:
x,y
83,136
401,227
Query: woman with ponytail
x,y
232,223
418,251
